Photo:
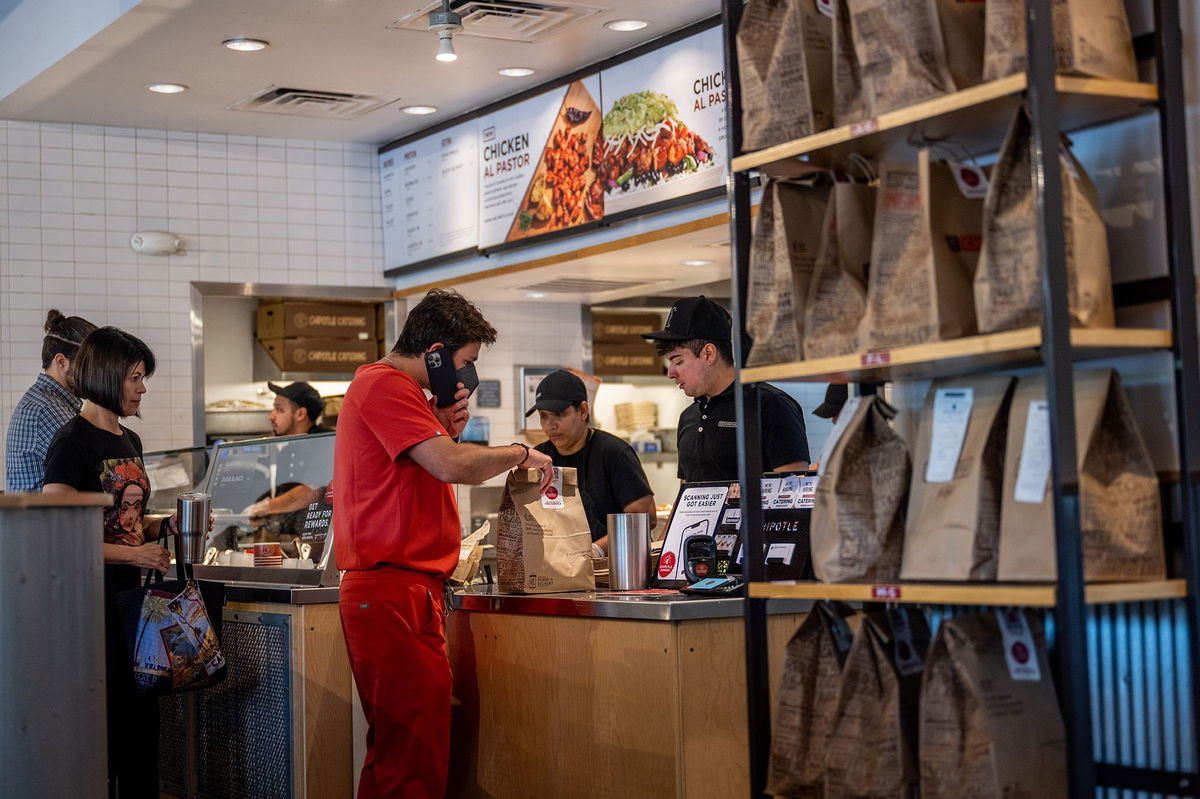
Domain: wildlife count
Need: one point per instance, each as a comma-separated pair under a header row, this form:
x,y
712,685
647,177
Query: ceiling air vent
x,y
581,285
312,103
513,20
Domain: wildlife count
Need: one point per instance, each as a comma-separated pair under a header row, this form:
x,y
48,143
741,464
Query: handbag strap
x,y
182,570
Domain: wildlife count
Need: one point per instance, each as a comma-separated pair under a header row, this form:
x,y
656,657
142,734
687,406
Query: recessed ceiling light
x,y
166,88
535,295
419,110
244,45
516,72
696,262
626,24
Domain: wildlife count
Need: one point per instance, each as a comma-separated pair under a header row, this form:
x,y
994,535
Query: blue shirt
x,y
44,408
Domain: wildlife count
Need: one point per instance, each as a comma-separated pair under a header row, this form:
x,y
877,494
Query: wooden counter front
x,y
552,706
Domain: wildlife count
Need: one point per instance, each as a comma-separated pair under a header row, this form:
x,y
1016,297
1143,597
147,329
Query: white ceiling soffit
x,y
514,20
342,47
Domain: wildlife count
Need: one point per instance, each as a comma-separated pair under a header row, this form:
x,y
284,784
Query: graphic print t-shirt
x,y
90,459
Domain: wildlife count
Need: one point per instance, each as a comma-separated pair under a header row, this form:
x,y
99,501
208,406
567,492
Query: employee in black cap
x,y
697,343
296,410
835,398
610,476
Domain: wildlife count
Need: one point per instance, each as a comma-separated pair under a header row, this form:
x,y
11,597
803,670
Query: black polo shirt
x,y
708,435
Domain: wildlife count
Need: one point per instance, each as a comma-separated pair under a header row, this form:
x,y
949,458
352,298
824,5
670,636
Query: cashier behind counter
x,y
697,343
610,476
299,475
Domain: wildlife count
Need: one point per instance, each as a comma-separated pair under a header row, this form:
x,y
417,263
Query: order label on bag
x,y
971,180
951,415
1019,649
553,497
826,7
847,413
1034,469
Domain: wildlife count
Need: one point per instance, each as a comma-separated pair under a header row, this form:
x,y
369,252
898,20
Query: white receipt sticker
x,y
1034,469
553,497
1019,649
971,180
844,417
951,415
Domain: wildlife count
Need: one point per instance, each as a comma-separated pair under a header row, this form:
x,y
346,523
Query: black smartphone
x,y
443,379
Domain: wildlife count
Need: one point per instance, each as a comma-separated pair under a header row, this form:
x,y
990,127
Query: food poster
x,y
535,164
697,511
430,190
664,124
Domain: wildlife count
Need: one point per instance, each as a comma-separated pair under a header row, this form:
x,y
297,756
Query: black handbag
x,y
172,632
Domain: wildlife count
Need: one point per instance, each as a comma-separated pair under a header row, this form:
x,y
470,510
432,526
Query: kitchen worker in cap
x,y
697,343
300,473
611,478
296,410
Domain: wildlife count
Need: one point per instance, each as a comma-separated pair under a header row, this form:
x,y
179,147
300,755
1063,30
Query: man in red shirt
x,y
397,537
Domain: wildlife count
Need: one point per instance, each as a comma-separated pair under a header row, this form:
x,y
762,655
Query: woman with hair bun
x,y
48,404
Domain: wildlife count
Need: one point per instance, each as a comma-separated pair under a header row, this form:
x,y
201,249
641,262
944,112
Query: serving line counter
x,y
600,694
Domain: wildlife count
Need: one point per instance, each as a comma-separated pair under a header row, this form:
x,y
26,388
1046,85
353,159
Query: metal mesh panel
x,y
244,723
172,743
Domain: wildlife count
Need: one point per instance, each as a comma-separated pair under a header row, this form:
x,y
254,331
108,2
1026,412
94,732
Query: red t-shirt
x,y
387,510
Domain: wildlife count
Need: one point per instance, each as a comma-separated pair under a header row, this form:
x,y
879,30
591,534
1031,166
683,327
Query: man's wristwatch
x,y
524,447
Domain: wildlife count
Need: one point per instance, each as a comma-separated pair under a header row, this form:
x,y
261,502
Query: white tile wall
x,y
248,210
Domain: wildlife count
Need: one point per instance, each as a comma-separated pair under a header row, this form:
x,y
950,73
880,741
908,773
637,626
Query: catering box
x,y
328,320
626,359
624,328
334,355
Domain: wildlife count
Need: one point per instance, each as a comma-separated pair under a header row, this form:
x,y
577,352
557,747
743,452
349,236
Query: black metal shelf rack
x,y
1086,774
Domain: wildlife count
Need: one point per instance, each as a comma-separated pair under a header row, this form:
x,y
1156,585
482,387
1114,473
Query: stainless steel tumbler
x,y
193,509
628,550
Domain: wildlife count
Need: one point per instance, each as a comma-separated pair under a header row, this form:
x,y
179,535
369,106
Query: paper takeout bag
x,y
923,255
900,53
857,528
837,297
988,729
872,750
1008,286
543,544
785,66
953,526
1120,506
787,234
804,716
1091,37
848,105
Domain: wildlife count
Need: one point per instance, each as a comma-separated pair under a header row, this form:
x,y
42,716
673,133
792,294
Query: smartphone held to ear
x,y
444,378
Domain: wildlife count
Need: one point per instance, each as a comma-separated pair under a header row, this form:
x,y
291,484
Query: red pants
x,y
395,631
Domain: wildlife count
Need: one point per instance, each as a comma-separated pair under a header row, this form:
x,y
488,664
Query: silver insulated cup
x,y
193,509
628,550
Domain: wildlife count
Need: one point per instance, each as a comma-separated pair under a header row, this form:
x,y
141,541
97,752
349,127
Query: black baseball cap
x,y
557,392
692,318
835,398
303,395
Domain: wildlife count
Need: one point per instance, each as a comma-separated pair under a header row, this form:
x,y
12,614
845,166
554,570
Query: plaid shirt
x,y
45,407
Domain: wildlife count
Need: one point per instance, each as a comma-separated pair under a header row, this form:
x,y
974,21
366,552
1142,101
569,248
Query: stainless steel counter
x,y
283,594
599,604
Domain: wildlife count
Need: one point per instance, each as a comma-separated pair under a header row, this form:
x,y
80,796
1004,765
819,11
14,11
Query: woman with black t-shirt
x,y
95,452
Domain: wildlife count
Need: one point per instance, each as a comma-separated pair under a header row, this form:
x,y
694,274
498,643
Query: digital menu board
x,y
535,164
429,190
664,124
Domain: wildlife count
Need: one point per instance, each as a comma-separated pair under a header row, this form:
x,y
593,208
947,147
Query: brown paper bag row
x,y
543,542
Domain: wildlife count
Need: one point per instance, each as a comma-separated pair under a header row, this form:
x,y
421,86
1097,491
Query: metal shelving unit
x,y
980,115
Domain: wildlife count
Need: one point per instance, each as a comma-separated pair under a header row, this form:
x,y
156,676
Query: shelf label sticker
x,y
971,180
951,415
876,358
1019,649
904,652
864,127
553,497
1034,469
885,592
848,411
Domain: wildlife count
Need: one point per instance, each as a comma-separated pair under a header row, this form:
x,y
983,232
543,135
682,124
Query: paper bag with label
x,y
990,725
837,297
1120,510
857,529
543,544
1008,286
953,526
804,716
923,255
786,236
1091,37
847,75
785,68
872,751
